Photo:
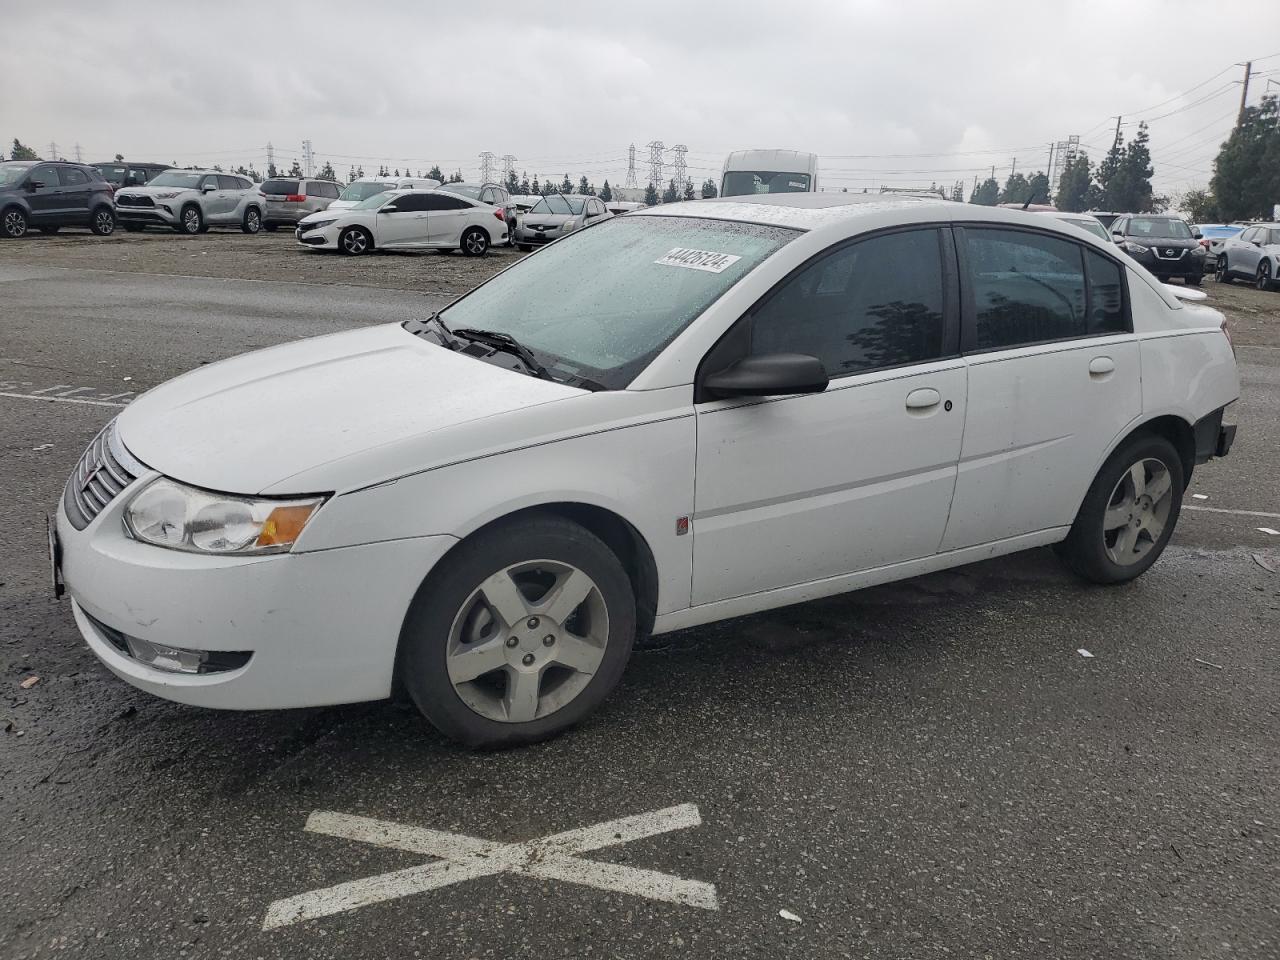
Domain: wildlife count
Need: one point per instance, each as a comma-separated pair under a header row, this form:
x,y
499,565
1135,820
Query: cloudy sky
x,y
903,92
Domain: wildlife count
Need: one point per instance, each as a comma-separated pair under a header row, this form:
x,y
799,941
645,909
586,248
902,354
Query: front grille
x,y
128,200
1169,253
105,469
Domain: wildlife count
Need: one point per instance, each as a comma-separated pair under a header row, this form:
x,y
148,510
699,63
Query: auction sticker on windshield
x,y
690,259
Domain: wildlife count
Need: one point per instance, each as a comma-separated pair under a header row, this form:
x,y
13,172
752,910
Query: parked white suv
x,y
693,412
192,201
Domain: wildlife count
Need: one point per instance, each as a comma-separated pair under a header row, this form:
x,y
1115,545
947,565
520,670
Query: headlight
x,y
1199,251
168,196
568,225
316,224
169,514
1133,247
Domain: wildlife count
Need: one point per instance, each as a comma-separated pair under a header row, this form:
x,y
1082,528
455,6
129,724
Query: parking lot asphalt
x,y
928,769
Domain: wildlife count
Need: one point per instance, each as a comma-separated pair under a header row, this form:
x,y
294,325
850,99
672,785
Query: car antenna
x,y
1031,196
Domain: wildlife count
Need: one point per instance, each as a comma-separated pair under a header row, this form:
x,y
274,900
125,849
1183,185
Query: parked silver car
x,y
557,215
289,199
1254,256
192,201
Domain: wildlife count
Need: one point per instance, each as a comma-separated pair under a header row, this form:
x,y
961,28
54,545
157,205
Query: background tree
x,y
327,172
22,152
688,190
359,172
253,174
535,188
435,173
1015,189
651,195
566,185
295,170
1200,205
670,195
1075,187
550,187
351,174
271,171
1246,172
986,195
513,182
217,168
584,187
525,187
606,192
456,176
1038,187
957,192
397,173
709,190
119,158
1124,177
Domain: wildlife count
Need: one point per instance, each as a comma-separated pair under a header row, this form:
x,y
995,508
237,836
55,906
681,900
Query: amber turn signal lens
x,y
284,525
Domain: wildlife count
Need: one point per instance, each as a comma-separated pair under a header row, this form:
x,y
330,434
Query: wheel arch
x,y
1174,428
626,542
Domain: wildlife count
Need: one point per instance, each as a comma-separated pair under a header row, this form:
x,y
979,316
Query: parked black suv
x,y
130,174
1167,246
48,194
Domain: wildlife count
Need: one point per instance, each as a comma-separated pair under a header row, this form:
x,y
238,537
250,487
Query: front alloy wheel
x,y
353,241
1220,271
1263,281
15,224
104,222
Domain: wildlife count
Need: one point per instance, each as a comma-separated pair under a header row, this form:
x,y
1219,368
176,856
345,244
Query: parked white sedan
x,y
406,220
753,402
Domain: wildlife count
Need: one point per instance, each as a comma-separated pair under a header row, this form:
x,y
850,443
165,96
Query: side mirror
x,y
209,188
769,375
35,184
1197,234
388,208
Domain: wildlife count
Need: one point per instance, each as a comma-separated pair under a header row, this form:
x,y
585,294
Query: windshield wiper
x,y
508,344
418,327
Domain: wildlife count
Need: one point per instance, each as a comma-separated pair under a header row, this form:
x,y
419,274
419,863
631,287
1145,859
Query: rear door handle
x,y
1101,366
923,399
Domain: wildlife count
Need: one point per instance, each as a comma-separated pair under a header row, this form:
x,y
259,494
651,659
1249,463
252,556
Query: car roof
x,y
804,211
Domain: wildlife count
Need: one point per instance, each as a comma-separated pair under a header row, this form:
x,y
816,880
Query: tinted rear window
x,y
282,187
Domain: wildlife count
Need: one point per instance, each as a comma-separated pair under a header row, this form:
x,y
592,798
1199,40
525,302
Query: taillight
x,y
1204,243
295,197
500,215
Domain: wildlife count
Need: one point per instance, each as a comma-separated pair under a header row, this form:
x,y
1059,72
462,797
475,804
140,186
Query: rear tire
x,y
1263,280
1129,513
103,223
1222,272
252,221
476,671
190,220
475,242
355,241
13,224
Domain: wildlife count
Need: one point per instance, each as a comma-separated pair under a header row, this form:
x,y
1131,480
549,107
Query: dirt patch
x,y
1253,316
262,256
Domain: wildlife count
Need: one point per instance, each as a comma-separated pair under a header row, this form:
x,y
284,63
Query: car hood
x,y
547,219
150,191
1174,243
249,424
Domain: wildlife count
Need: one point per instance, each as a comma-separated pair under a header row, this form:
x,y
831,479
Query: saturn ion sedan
x,y
754,402
406,220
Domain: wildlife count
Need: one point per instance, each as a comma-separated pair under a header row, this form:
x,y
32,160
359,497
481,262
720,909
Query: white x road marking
x,y
466,858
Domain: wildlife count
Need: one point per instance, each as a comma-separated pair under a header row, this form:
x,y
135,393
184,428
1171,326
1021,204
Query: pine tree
x,y
670,195
435,173
359,172
709,190
651,195
1015,189
1038,187
987,194
688,190
584,187
606,192
566,185
1246,172
272,172
1075,186
295,170
22,152
513,182
535,189
351,175
326,172
525,187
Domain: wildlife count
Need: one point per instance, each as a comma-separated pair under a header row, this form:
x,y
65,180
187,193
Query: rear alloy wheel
x,y
522,632
354,241
190,221
13,225
475,242
252,222
1220,271
104,222
1129,513
1263,280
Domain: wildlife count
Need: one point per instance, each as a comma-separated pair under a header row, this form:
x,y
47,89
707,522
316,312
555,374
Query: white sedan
x,y
406,220
754,402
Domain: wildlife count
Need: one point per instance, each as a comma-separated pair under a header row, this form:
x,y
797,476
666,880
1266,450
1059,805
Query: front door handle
x,y
1101,366
923,399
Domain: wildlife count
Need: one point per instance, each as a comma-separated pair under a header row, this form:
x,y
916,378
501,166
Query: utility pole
x,y
1244,92
271,157
307,156
1013,168
1050,171
1116,142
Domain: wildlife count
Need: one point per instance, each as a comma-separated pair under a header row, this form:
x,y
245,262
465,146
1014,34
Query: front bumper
x,y
1189,264
325,238
537,237
161,213
320,628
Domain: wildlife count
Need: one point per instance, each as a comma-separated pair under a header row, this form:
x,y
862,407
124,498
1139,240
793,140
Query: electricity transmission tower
x,y
53,150
508,168
631,169
486,166
308,156
271,156
77,148
681,177
655,163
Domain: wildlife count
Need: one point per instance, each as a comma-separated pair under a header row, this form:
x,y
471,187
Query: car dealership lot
x,y
925,769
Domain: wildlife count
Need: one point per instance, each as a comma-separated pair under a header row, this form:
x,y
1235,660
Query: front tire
x,y
475,242
1129,513
1194,281
14,223
1263,280
1221,271
522,632
103,223
190,220
354,241
252,221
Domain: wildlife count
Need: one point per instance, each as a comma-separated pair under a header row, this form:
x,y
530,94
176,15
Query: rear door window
x,y
1107,295
1025,288
230,183
73,177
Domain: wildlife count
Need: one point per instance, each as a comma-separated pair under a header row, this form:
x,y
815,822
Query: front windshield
x,y
1219,232
601,303
374,202
556,203
463,190
1164,228
13,172
741,183
363,191
1092,226
178,178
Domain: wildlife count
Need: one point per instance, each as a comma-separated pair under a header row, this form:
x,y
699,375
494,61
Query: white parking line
x,y
467,858
48,399
1237,513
